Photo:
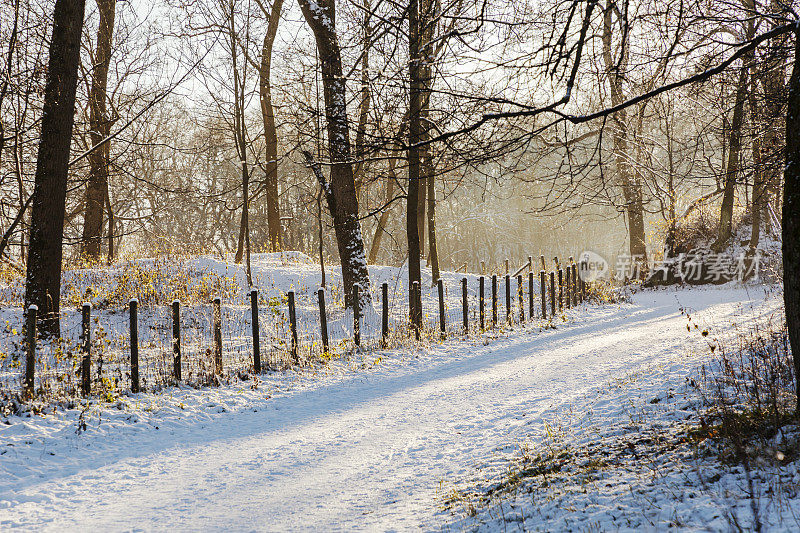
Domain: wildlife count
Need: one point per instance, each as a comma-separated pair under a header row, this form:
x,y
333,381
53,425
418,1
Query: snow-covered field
x,y
378,440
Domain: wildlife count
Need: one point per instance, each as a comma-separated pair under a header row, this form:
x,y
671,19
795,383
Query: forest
x,y
631,168
343,129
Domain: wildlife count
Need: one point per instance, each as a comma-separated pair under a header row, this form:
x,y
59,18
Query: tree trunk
x,y
758,196
343,204
5,82
43,277
791,216
630,184
414,137
6,238
363,108
774,86
110,214
384,218
732,169
99,128
422,201
240,138
270,131
759,190
428,21
433,254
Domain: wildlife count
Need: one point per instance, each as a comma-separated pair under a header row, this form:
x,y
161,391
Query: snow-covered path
x,y
367,450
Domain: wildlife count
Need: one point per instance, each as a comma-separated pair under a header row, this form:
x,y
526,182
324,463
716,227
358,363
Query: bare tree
x,y
273,14
43,279
342,201
99,129
791,214
616,71
415,137
735,145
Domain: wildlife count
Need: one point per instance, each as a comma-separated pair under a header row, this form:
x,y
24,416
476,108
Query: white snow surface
x,y
371,442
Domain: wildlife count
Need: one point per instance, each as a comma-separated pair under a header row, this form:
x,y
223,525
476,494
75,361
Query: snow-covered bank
x,y
374,447
194,281
640,455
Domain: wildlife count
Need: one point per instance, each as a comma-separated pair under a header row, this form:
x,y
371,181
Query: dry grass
x,y
749,393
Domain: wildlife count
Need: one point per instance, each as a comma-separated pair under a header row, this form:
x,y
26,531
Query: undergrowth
x,y
749,395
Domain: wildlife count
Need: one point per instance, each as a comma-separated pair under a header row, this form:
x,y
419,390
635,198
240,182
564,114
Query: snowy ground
x,y
375,442
629,457
195,281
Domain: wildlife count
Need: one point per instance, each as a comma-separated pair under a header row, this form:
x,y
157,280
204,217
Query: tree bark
x,y
270,131
43,276
414,175
343,204
240,138
99,129
384,218
774,86
5,82
110,214
732,168
759,190
363,108
433,252
791,216
631,186
428,21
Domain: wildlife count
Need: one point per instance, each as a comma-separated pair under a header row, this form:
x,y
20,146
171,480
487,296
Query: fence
x,y
152,357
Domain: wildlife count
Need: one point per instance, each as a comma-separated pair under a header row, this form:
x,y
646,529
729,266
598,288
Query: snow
x,y
624,460
371,441
154,281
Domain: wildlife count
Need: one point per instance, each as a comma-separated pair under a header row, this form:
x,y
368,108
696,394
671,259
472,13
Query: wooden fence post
x,y
543,288
509,317
544,266
552,295
494,300
385,315
464,305
256,331
560,288
133,306
573,286
481,302
30,355
293,325
217,305
575,290
357,314
442,318
323,319
521,298
567,286
176,340
570,288
531,297
506,262
86,348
